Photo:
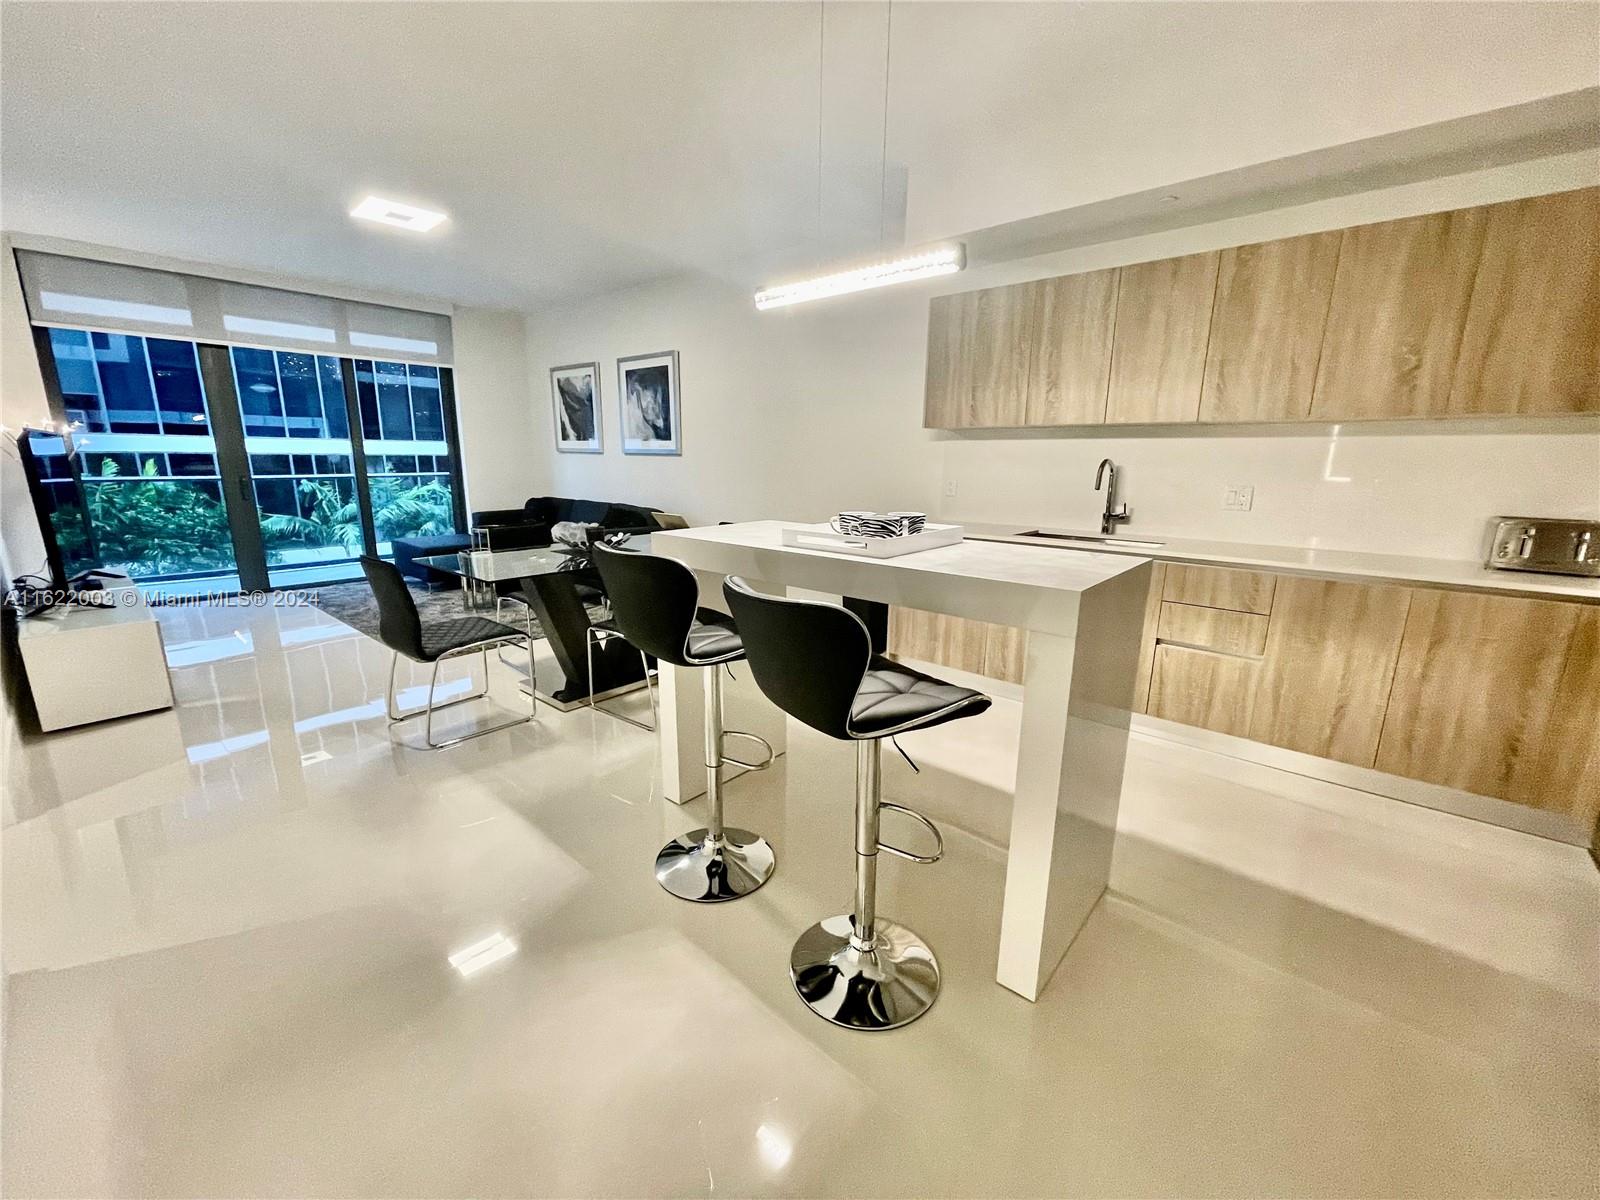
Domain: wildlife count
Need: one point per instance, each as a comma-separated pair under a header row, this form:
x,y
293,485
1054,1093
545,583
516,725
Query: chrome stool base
x,y
692,867
883,988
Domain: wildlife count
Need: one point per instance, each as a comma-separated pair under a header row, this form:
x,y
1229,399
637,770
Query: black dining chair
x,y
815,662
400,627
655,604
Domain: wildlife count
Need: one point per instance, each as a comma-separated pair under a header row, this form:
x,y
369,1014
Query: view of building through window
x,y
153,483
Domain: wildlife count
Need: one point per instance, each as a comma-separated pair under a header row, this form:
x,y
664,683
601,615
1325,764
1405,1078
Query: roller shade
x,y
81,293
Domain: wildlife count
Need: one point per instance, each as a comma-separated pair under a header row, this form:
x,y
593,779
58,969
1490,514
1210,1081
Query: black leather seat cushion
x,y
893,698
443,636
713,638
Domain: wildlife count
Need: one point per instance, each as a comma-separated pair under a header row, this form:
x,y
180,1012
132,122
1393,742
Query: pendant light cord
x,y
883,168
822,43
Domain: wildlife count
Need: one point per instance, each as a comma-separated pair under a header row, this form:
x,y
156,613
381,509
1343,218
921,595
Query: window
x,y
167,482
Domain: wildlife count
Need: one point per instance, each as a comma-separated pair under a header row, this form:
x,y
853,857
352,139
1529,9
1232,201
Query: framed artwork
x,y
652,422
575,393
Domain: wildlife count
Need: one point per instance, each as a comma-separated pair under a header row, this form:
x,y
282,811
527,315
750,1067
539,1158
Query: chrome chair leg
x,y
857,969
432,706
392,700
717,862
591,638
527,626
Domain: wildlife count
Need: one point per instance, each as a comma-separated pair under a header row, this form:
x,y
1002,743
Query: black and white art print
x,y
651,420
575,392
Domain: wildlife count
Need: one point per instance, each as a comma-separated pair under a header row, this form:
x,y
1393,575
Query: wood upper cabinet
x,y
947,394
1395,322
1158,352
1532,337
979,350
1489,310
1474,690
1330,660
1266,329
1068,377
1003,330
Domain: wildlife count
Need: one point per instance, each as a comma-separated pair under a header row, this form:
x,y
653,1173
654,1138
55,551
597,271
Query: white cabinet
x,y
88,663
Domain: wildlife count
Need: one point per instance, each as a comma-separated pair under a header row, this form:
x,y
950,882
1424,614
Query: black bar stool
x,y
655,605
815,662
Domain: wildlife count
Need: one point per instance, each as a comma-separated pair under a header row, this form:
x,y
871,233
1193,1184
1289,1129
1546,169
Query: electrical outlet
x,y
949,489
1238,497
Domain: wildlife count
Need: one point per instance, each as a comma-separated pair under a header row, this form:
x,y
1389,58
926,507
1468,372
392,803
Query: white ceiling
x,y
584,147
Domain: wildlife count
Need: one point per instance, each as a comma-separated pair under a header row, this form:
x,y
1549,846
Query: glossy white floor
x,y
233,939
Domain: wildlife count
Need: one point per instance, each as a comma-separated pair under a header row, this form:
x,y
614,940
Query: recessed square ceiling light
x,y
401,216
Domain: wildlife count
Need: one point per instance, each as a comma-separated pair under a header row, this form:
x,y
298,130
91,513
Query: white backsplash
x,y
1417,493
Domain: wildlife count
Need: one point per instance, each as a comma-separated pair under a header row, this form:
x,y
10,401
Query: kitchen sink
x,y
1092,538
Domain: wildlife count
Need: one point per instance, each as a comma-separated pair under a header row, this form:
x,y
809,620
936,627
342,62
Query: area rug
x,y
353,603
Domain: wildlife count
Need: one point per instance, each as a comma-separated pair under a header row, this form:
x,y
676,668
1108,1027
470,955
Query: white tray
x,y
822,537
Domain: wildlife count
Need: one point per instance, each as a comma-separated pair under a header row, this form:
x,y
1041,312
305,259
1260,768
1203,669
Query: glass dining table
x,y
554,583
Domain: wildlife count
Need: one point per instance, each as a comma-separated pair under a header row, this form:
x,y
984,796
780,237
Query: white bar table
x,y
1083,612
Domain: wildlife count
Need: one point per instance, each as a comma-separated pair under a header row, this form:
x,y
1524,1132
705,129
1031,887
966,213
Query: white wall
x,y
492,409
789,414
797,413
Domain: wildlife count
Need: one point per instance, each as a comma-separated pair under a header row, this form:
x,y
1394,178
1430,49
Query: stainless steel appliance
x,y
1546,544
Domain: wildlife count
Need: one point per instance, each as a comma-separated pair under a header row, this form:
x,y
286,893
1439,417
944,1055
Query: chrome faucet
x,y
1114,512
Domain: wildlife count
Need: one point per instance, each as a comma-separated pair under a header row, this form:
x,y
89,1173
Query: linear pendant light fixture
x,y
945,259
940,260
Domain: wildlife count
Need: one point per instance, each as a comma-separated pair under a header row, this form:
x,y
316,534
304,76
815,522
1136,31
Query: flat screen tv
x,y
48,460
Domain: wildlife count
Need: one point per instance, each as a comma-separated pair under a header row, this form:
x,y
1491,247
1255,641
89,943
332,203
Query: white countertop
x,y
996,581
1302,560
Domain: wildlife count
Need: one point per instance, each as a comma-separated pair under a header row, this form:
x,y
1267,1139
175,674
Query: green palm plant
x,y
148,526
333,519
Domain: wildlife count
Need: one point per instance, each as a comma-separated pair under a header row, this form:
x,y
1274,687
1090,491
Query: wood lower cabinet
x,y
1147,640
994,651
1330,657
1204,689
1158,355
1223,630
1565,775
1219,587
1494,695
1474,691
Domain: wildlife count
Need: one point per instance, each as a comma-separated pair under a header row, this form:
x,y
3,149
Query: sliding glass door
x,y
214,468
302,462
408,459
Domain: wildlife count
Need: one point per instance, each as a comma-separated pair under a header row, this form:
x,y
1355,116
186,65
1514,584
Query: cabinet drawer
x,y
1197,687
1220,587
1224,630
